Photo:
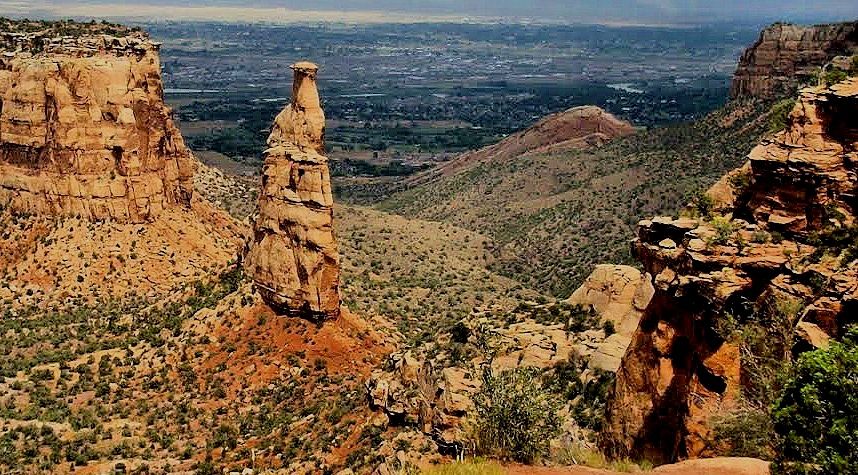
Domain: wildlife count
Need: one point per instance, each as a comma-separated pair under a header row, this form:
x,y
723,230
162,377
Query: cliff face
x,y
788,56
293,256
772,244
84,130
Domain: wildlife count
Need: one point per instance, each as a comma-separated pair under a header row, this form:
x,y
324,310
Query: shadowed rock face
x,y
789,56
84,130
293,257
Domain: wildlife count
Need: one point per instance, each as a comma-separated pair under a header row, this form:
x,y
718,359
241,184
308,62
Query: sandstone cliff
x,y
293,256
84,130
788,56
775,255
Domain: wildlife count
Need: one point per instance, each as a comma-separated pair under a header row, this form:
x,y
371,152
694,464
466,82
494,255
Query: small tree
x,y
816,416
515,416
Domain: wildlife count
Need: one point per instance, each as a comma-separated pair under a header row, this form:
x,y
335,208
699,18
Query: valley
x,y
510,276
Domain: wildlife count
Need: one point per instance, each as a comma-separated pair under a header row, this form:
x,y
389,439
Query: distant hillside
x,y
573,129
553,213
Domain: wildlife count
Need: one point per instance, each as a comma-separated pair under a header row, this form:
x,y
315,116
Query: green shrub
x,y
816,416
724,229
779,116
703,204
833,76
515,417
746,432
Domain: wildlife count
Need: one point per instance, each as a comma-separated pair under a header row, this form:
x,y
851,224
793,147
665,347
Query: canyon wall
x,y
84,130
293,257
786,57
770,254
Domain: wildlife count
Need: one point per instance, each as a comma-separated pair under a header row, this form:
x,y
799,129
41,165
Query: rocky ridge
x,y
293,257
574,129
768,254
787,56
84,130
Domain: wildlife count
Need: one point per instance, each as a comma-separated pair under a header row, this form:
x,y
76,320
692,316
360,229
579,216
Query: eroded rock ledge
x,y
293,256
683,368
84,130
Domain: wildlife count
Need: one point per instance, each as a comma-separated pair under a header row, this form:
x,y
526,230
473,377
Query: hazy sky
x,y
583,11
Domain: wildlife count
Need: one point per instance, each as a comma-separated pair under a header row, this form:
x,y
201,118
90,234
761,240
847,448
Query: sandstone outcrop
x,y
436,396
293,257
786,57
84,130
768,249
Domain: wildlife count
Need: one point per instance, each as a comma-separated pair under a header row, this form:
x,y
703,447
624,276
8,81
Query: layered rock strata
x,y
293,257
84,130
788,56
762,260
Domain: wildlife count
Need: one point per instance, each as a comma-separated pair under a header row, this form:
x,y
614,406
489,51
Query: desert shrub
x,y
816,416
609,328
724,229
477,467
582,318
460,332
832,76
515,417
746,432
703,204
840,241
765,342
576,454
779,116
740,182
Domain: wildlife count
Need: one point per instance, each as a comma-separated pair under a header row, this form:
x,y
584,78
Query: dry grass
x,y
477,467
578,455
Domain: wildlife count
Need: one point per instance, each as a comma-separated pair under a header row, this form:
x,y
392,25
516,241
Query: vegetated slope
x,y
420,274
46,259
552,215
573,129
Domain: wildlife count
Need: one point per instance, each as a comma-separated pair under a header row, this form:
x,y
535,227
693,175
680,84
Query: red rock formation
x,y
84,130
680,370
789,56
293,256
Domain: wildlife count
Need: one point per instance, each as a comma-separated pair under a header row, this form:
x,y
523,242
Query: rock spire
x,y
293,257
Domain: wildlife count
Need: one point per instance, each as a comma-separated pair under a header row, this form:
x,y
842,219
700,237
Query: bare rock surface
x,y
293,256
788,56
683,365
84,130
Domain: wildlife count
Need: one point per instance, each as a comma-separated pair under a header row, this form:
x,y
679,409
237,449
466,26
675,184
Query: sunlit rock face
x,y
682,368
84,130
293,256
785,57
